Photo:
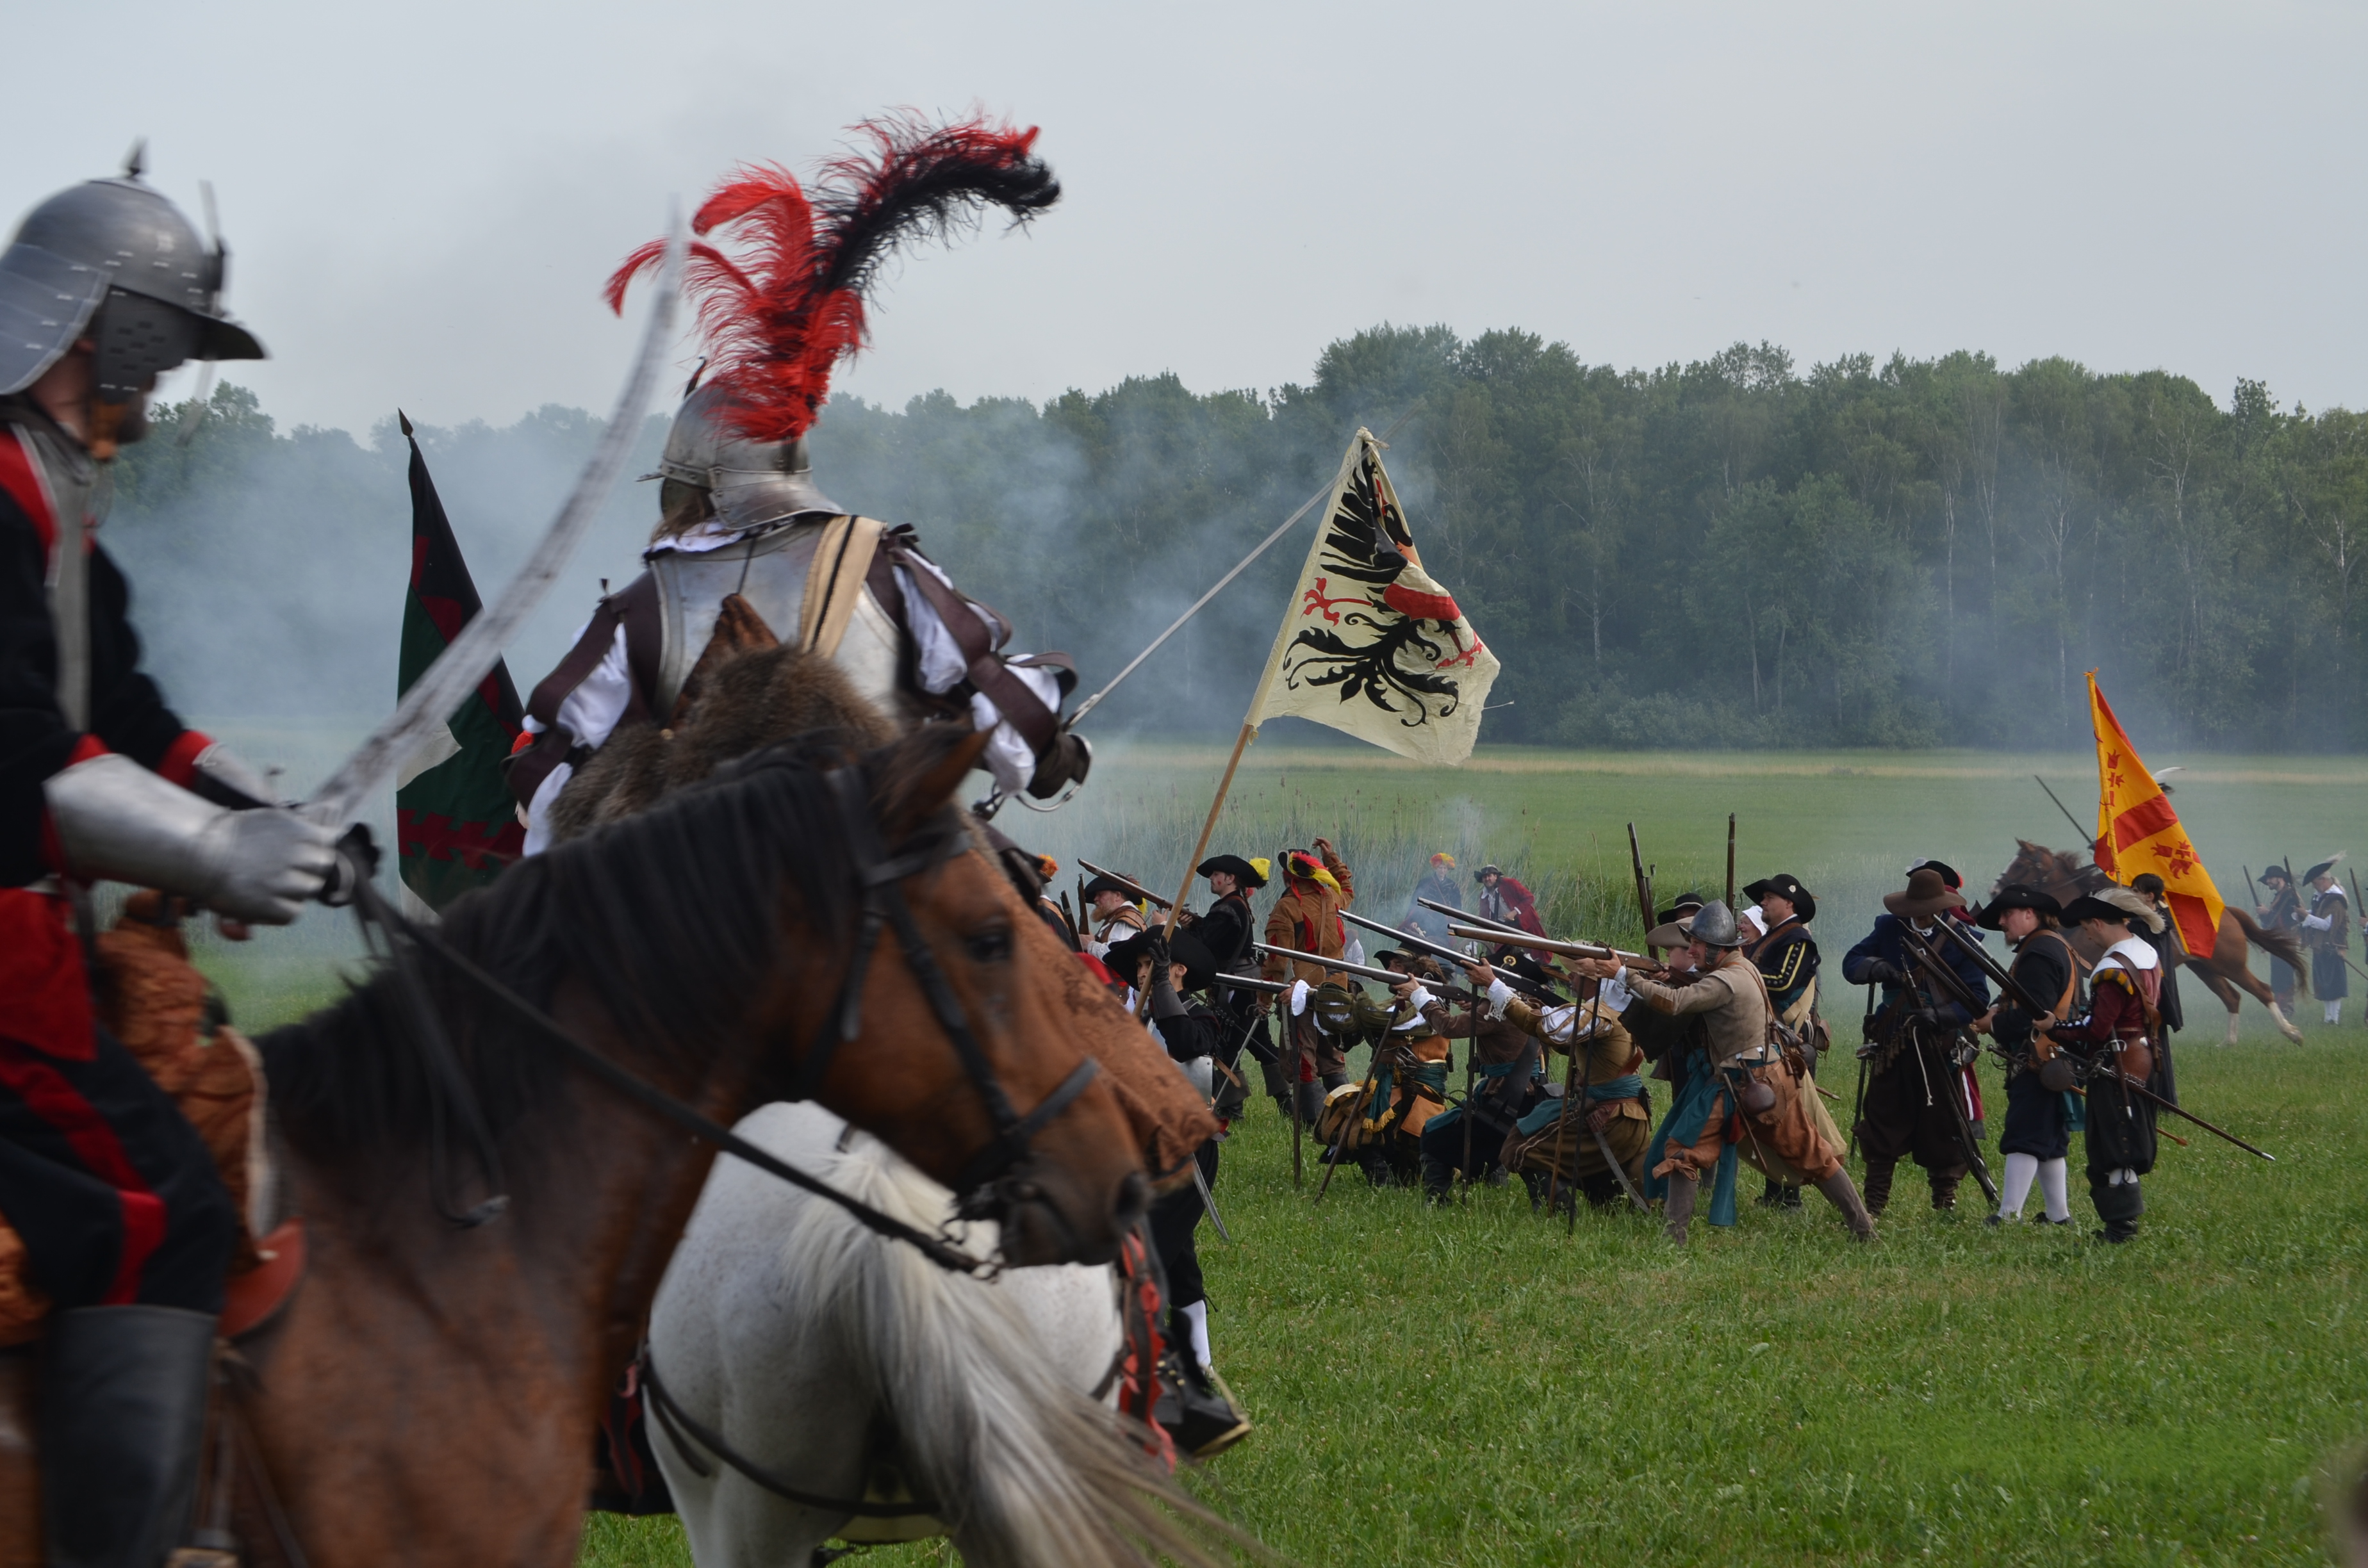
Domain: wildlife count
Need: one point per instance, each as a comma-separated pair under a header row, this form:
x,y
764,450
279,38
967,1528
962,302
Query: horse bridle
x,y
882,877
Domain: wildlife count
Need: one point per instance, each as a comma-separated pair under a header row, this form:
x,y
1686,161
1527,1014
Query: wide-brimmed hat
x,y
1686,903
2274,870
2088,906
1667,934
1927,894
1199,963
1249,873
1484,872
2015,895
1109,884
2134,904
2321,869
1786,885
1949,875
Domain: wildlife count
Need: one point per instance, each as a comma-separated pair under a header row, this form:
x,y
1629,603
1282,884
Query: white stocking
x,y
2019,1170
1197,1314
2052,1175
2335,1012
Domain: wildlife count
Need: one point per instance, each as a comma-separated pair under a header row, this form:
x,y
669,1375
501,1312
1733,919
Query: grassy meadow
x,y
1475,1385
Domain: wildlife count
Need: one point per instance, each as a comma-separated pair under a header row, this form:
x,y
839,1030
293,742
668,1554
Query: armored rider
x,y
127,1227
747,550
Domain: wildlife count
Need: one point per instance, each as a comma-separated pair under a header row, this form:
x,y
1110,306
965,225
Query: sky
x,y
422,200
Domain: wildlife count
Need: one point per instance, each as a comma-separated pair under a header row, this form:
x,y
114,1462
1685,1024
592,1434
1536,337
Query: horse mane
x,y
673,917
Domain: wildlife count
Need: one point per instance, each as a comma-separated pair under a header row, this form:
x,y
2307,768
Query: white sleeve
x,y
589,714
941,667
1615,993
1556,1023
2318,922
1419,998
1499,995
1298,997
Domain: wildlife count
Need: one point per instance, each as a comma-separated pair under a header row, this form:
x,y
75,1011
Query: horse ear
x,y
934,786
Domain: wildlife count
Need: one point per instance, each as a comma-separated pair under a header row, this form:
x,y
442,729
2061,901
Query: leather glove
x,y
1881,972
1067,761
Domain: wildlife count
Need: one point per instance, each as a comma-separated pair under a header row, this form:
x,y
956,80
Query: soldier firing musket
x,y
1127,885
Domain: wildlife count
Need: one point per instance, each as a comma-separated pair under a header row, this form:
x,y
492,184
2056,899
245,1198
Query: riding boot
x,y
1438,1179
1944,1192
123,1415
1844,1196
1771,1195
1878,1185
1198,1411
1677,1212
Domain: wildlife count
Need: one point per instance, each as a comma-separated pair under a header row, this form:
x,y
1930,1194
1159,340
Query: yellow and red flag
x,y
2137,832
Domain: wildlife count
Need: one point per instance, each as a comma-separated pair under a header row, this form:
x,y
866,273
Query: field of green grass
x,y
1475,1386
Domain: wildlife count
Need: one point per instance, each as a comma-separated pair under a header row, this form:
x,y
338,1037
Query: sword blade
x,y
1209,1202
429,705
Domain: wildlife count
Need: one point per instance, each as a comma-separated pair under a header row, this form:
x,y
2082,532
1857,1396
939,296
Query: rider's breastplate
x,y
769,572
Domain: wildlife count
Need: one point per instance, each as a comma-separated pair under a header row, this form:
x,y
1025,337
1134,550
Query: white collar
x,y
2133,952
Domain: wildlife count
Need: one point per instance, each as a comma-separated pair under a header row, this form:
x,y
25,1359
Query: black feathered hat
x,y
1109,884
1687,903
2086,907
2016,895
1246,872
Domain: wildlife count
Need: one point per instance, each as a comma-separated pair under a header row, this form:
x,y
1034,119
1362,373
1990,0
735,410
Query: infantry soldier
x,y
2038,1135
1559,1145
1227,930
1506,1060
748,551
1736,1071
1787,959
2282,912
1113,913
1910,1055
1307,919
2116,1039
2326,932
1437,885
1505,902
126,1225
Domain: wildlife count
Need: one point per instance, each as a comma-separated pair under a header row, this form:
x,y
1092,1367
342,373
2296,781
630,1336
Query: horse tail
x,y
1023,1469
2280,945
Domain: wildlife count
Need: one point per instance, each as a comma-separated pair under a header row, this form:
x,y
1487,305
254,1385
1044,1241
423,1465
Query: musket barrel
x,y
1548,945
1366,971
1129,882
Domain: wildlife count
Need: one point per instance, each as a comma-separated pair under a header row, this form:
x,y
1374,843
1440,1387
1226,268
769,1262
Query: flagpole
x,y
1241,744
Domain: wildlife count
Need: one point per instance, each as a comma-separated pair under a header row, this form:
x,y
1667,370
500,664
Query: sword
x,y
429,705
1210,1203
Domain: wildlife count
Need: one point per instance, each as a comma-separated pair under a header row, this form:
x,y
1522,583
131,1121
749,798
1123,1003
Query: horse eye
x,y
991,946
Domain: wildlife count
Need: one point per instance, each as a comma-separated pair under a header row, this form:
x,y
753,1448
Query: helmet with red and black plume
x,y
779,277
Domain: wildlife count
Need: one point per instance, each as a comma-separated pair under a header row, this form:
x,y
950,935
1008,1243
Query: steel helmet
x,y
750,483
116,260
1713,925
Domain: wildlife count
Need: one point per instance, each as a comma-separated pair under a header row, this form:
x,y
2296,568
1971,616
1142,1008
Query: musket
x,y
1730,859
2060,806
1229,982
1362,970
1929,962
1127,884
1453,915
427,705
1858,1101
1440,949
1643,883
1567,950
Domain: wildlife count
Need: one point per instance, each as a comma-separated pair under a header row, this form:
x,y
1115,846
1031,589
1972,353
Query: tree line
x,y
1728,553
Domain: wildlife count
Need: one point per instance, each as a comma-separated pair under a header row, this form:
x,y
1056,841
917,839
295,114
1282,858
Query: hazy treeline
x,y
1727,552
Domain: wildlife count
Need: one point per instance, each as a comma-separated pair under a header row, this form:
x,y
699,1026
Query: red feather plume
x,y
783,309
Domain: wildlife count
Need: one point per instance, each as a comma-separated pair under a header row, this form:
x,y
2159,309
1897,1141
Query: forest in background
x,y
1725,553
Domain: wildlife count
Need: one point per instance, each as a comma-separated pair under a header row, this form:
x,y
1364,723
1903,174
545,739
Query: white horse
x,y
853,1367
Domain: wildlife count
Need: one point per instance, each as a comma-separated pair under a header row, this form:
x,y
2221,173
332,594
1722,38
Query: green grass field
x,y
1475,1386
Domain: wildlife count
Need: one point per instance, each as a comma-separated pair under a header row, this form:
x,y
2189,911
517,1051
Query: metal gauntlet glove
x,y
116,818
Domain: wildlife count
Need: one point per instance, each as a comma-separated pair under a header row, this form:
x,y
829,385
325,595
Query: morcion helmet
x,y
1713,925
114,259
750,483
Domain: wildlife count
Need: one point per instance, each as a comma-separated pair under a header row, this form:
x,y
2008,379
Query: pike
x,y
1128,883
2039,1009
2060,806
442,688
1730,859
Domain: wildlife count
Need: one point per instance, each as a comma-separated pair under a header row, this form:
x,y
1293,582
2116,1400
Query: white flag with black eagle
x,y
1371,645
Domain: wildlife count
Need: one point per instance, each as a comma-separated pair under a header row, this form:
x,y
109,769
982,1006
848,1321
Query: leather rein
x,y
882,876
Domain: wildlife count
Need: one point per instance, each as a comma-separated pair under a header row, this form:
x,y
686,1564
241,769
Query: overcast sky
x,y
423,198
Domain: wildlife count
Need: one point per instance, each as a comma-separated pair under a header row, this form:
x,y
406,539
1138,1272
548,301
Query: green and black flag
x,y
455,824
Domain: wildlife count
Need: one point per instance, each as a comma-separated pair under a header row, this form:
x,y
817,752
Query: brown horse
x,y
432,1392
2063,877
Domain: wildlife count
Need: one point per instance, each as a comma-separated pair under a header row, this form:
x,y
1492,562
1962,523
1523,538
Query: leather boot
x,y
1677,1212
1311,1103
1438,1179
1944,1192
2119,1206
123,1414
1844,1196
1878,1185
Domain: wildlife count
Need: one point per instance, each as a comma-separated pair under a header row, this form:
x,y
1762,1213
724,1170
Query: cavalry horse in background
x,y
2063,877
844,1368
431,1392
